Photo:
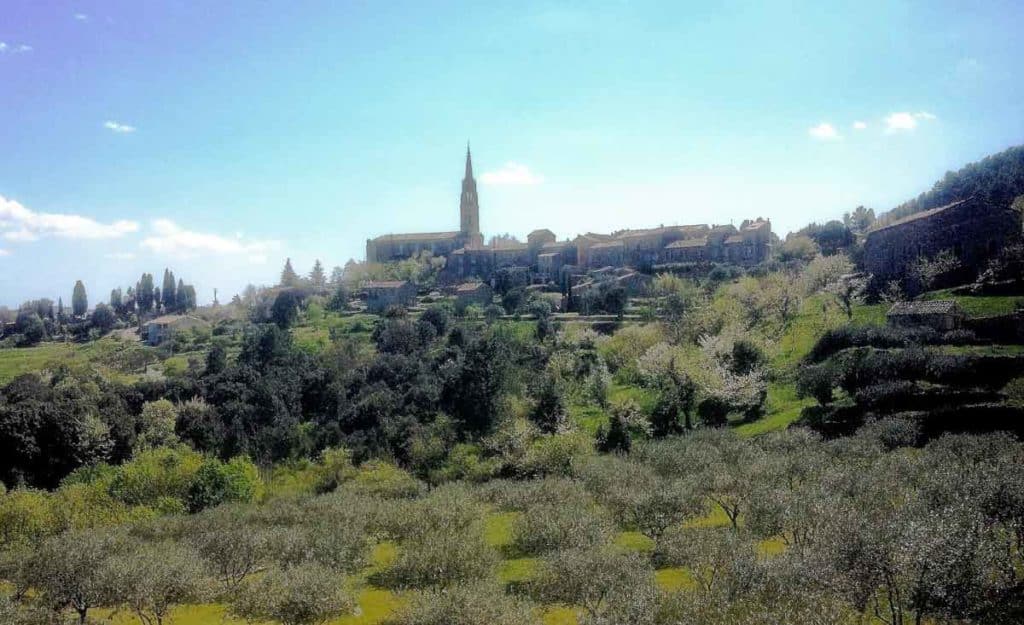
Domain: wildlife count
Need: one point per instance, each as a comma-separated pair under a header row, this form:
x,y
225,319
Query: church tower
x,y
469,207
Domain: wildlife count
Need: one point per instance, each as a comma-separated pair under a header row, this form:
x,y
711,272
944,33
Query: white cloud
x,y
4,252
81,17
902,121
120,255
14,49
171,239
511,174
18,223
118,128
859,125
824,132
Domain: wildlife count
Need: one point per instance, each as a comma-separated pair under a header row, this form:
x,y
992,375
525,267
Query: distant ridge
x,y
998,178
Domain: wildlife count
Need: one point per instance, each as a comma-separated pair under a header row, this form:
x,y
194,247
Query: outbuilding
x,y
942,315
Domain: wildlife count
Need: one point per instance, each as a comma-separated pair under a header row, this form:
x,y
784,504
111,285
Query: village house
x,y
941,315
163,328
384,294
479,293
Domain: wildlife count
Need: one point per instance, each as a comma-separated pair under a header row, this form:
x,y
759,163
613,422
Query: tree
x,y
73,569
307,594
181,297
337,277
79,301
288,276
157,423
144,293
156,577
798,247
168,291
926,273
103,318
596,579
479,603
116,300
30,326
675,400
285,309
316,277
614,438
848,291
860,219
60,309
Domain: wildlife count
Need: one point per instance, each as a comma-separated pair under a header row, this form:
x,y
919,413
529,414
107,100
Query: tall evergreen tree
x,y
116,299
60,309
156,299
144,293
317,278
288,275
337,276
169,295
181,297
79,301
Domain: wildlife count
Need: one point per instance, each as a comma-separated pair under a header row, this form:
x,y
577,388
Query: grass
x,y
674,579
715,517
783,409
498,529
978,305
102,355
634,541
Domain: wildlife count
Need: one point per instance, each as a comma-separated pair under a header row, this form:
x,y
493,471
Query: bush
x,y
557,454
386,480
237,481
441,559
550,491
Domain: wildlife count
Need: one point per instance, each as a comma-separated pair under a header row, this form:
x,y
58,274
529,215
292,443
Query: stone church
x,y
547,259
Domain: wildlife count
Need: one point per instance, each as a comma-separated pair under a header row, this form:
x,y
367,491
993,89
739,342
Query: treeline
x,y
998,178
41,319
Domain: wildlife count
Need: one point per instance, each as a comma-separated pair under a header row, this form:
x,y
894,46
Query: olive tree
x,y
546,527
600,580
72,569
306,594
152,578
474,604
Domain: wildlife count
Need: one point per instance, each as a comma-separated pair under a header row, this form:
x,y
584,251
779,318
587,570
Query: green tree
x,y
103,318
317,278
181,297
285,309
144,293
307,594
288,276
168,292
116,300
79,300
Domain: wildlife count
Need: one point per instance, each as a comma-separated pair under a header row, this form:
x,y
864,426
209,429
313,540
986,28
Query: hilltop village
x,y
545,260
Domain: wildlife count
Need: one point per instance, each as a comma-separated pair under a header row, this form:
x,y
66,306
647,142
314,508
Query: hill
x,y
998,178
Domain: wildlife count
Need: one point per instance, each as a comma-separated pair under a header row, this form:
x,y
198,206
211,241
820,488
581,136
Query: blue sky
x,y
217,138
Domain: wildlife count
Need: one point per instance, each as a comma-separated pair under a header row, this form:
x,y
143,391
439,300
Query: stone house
x,y
973,230
941,315
381,295
164,327
479,293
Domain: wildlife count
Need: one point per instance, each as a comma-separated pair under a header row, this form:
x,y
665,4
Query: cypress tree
x,y
288,275
169,296
79,301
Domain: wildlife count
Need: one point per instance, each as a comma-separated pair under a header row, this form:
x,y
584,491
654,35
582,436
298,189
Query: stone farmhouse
x,y
973,230
548,259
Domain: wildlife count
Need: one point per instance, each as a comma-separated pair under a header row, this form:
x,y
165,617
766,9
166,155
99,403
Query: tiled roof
x,y
917,216
468,287
734,239
386,284
547,255
541,231
606,246
416,236
932,307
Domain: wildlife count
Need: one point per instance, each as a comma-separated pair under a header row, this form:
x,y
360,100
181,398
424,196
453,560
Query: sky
x,y
219,138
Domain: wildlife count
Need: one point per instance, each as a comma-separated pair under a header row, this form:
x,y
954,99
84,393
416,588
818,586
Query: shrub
x,y
557,454
386,480
599,580
237,481
441,559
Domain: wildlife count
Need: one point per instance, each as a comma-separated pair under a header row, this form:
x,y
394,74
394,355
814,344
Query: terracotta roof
x,y
386,284
916,216
607,245
734,239
695,242
931,307
468,287
164,320
559,245
417,236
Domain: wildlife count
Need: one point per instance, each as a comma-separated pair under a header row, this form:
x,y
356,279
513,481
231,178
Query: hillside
x,y
998,178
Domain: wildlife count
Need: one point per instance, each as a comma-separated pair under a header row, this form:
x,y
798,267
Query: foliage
x,y
306,594
472,604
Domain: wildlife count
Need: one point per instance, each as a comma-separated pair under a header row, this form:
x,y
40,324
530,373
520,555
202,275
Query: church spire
x,y
469,206
469,163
